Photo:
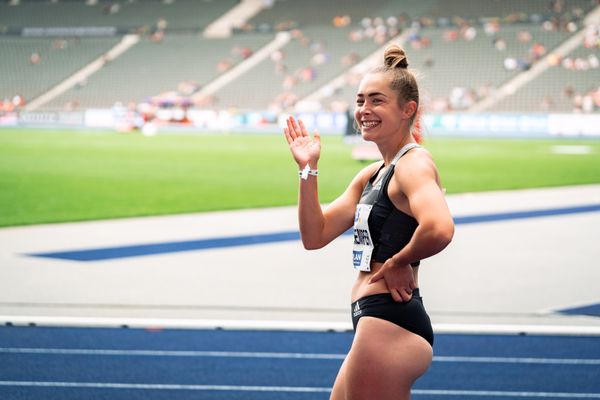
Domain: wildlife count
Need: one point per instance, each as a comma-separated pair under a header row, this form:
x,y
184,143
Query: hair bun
x,y
394,57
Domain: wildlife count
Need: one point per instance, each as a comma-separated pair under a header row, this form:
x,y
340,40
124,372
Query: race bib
x,y
363,244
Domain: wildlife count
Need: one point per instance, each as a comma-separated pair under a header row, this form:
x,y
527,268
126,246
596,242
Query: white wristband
x,y
304,173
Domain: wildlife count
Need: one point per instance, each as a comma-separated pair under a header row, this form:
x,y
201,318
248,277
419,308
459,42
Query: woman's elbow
x,y
440,234
312,244
445,233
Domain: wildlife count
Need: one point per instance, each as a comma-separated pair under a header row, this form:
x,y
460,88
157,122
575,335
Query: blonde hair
x,y
402,80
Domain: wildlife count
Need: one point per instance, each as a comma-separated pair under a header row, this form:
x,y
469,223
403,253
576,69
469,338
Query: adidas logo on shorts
x,y
357,311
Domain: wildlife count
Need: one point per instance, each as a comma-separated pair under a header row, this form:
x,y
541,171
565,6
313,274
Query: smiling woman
x,y
400,216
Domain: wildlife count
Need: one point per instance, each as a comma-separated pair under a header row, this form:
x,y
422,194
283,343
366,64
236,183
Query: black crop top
x,y
390,229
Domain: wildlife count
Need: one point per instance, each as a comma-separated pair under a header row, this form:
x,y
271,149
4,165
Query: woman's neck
x,y
390,150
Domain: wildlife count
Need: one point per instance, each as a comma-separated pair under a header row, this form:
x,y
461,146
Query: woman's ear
x,y
409,109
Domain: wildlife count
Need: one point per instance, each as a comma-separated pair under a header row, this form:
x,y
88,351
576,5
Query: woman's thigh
x,y
384,361
339,387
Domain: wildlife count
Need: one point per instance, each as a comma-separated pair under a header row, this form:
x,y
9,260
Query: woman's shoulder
x,y
415,163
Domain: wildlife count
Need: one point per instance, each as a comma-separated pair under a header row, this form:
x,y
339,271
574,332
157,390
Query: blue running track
x,y
38,363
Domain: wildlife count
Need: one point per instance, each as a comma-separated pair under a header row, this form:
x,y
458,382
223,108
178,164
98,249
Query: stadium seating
x,y
128,15
151,68
461,52
31,66
559,89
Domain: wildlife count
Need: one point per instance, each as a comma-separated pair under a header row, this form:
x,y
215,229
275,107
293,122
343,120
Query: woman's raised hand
x,y
305,150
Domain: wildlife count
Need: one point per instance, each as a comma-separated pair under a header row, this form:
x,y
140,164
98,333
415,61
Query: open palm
x,y
305,150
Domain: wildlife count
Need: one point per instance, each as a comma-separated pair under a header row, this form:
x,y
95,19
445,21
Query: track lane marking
x,y
284,355
295,389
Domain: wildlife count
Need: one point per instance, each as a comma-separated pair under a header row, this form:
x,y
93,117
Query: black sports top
x,y
389,229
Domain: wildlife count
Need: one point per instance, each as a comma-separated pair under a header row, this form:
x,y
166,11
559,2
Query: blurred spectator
x,y
59,44
450,35
524,36
537,51
224,65
161,24
341,21
157,36
289,82
569,92
319,58
491,28
308,74
510,63
350,59
554,60
241,52
35,58
111,8
8,105
592,37
468,33
277,56
499,44
461,98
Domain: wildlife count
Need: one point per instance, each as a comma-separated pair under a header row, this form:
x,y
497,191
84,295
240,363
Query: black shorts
x,y
410,315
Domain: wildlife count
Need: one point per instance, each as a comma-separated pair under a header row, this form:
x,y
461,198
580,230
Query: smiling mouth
x,y
369,124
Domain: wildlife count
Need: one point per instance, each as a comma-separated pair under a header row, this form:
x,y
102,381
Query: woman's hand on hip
x,y
305,150
399,280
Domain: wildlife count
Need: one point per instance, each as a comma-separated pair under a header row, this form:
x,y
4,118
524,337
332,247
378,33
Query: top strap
x,y
405,149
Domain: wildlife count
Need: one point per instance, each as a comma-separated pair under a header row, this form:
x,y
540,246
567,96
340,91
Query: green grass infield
x,y
58,176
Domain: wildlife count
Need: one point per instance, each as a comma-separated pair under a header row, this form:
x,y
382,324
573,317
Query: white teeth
x,y
369,124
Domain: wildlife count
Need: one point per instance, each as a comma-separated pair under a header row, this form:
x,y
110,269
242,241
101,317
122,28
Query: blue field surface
x,y
119,363
590,309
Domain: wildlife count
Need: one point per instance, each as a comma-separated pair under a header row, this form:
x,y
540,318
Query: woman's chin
x,y
368,136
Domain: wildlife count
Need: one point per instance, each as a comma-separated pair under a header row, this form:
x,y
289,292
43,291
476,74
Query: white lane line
x,y
173,353
301,389
317,356
519,360
492,393
143,323
152,386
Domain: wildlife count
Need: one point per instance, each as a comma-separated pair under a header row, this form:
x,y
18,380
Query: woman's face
x,y
378,112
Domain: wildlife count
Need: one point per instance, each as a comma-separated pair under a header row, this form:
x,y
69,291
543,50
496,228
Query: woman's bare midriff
x,y
361,287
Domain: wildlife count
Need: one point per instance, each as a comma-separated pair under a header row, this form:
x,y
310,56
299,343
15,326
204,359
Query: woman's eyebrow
x,y
373,94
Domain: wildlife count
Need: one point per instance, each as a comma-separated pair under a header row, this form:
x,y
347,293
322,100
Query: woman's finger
x,y
406,294
303,130
291,130
317,136
297,129
286,132
396,296
375,277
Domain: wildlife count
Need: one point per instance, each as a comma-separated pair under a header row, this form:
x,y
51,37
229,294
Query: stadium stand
x,y
129,15
320,49
152,68
30,66
500,38
565,87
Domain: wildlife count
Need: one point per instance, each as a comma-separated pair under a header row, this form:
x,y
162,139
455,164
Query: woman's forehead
x,y
374,82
